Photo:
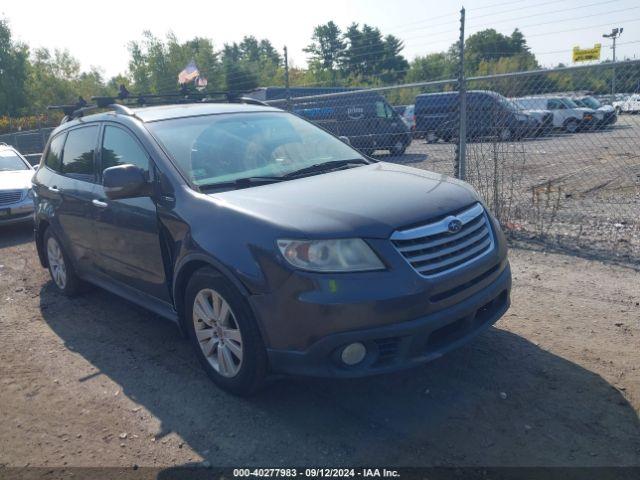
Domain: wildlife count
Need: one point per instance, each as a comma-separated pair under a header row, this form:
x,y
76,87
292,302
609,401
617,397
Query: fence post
x,y
461,157
286,78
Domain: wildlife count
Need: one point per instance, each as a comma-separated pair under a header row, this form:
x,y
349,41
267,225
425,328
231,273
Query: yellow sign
x,y
585,55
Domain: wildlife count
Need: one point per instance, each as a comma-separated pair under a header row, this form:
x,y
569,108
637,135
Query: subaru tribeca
x,y
275,246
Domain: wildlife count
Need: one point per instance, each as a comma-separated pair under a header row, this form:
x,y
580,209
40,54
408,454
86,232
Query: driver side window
x,y
555,105
120,148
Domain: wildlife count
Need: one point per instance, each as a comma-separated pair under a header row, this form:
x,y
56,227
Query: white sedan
x,y
630,105
16,202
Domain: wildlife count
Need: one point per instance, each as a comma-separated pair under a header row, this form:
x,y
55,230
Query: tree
x,y
327,49
250,63
490,46
155,64
13,72
434,66
368,55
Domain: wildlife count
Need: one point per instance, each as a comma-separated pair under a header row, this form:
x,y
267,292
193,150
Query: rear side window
x,y
78,156
120,148
53,159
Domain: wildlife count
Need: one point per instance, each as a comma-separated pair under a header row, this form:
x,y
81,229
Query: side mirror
x,y
345,139
124,181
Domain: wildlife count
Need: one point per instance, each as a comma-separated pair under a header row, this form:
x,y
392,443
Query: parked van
x,y
567,115
489,114
365,118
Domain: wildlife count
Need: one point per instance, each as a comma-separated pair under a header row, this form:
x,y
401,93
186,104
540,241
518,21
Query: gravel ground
x,y
96,381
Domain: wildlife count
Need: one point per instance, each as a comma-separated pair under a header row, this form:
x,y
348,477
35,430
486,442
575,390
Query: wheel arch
x,y
187,266
42,227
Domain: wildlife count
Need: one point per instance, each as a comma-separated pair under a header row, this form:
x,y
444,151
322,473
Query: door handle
x,y
53,189
99,203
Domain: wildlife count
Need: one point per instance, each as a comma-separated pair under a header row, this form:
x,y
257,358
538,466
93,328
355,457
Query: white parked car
x,y
566,114
16,200
630,105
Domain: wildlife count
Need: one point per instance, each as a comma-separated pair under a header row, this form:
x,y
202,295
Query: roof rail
x,y
253,101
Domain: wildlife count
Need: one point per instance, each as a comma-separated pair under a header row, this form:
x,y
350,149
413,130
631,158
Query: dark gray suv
x,y
275,246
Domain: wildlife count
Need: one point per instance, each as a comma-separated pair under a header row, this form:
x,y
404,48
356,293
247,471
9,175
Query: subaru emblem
x,y
454,226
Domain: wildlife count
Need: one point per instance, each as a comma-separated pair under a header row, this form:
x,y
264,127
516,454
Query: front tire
x,y
61,269
224,333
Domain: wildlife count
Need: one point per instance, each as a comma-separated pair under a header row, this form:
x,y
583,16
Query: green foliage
x,y
359,56
55,78
251,63
13,72
155,64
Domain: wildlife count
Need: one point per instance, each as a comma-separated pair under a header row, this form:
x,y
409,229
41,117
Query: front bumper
x,y
405,344
19,212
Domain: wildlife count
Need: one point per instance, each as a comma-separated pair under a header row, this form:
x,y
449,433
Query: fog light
x,y
353,353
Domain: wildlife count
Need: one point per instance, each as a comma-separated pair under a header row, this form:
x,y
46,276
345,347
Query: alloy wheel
x,y
218,332
56,263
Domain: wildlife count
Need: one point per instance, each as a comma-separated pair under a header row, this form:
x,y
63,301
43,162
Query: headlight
x,y
344,255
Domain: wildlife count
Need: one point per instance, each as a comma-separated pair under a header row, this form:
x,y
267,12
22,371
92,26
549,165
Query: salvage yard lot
x,y
96,381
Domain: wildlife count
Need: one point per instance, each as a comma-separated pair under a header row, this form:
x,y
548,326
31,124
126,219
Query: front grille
x,y
433,249
10,196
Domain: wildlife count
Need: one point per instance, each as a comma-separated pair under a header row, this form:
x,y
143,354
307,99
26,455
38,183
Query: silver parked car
x,y
16,199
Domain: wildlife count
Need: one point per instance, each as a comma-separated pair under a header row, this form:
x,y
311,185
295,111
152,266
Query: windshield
x,y
569,103
590,102
508,104
222,148
9,161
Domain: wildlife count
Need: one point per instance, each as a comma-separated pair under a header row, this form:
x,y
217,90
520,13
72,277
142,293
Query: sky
x,y
98,36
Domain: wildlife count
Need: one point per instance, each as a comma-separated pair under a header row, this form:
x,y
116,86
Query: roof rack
x,y
73,111
122,102
253,101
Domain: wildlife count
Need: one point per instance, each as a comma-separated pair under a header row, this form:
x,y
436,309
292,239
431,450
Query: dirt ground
x,y
96,381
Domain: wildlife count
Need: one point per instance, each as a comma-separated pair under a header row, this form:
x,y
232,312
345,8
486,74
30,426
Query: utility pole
x,y
286,78
615,33
461,169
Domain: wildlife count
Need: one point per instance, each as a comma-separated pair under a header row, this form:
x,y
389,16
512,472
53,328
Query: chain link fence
x,y
553,161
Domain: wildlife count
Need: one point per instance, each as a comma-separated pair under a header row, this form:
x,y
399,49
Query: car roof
x,y
167,112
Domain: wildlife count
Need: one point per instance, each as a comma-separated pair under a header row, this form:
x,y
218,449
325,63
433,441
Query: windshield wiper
x,y
326,167
241,182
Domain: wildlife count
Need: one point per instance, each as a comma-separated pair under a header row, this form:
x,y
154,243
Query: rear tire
x,y
571,125
224,333
398,148
61,269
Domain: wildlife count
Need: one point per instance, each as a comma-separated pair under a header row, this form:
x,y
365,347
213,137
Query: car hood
x,y
369,201
16,180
